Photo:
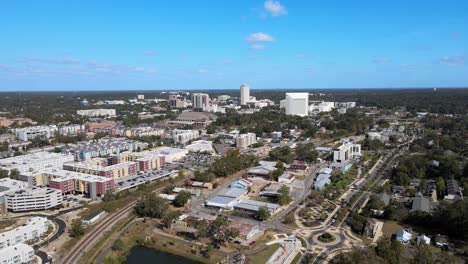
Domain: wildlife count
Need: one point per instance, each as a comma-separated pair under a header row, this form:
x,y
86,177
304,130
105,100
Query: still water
x,y
144,255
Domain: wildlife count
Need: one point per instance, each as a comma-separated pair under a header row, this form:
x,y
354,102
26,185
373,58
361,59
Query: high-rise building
x,y
245,140
297,104
200,99
244,94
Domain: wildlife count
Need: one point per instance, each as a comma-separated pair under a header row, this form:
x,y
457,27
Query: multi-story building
x,y
105,147
346,151
200,99
115,171
297,104
9,185
66,181
244,94
71,129
97,112
345,105
184,136
223,98
93,126
5,122
245,140
319,107
19,253
35,161
140,131
146,160
33,198
28,133
29,232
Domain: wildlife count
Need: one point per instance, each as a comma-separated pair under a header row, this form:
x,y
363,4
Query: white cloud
x,y
201,70
275,8
380,60
259,37
64,60
257,46
457,60
149,53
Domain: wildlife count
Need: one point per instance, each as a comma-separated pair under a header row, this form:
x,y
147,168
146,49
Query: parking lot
x,y
196,161
141,178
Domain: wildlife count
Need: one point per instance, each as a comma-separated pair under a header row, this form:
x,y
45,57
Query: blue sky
x,y
111,45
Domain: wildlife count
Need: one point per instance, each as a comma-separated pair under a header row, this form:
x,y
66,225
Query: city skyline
x,y
56,46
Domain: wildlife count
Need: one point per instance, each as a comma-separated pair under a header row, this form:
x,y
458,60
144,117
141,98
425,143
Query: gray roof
x,y
232,192
253,205
421,203
385,198
221,200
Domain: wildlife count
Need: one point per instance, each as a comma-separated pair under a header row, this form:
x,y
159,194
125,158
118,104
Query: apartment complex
x,y
27,233
145,161
245,140
97,112
19,253
35,161
74,182
184,136
114,171
95,126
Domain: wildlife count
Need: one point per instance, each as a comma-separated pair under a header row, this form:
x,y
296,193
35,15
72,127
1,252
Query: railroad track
x,y
75,252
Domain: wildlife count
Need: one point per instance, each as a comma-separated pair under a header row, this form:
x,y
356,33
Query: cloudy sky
x,y
110,45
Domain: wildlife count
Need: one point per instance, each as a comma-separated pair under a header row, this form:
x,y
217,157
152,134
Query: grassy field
x,y
262,256
297,258
391,227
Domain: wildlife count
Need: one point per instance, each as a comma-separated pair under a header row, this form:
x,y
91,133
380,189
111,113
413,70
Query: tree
x,y
283,195
169,217
441,186
283,154
118,245
3,173
151,206
307,152
14,174
389,249
182,198
220,232
263,213
76,229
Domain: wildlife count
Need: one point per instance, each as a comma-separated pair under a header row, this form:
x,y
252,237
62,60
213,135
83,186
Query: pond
x,y
143,255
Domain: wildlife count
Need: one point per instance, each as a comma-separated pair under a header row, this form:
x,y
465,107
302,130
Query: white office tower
x,y
200,99
297,104
244,94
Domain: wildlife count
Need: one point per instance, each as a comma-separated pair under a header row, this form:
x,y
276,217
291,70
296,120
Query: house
x,y
265,168
404,236
370,228
423,239
204,185
441,241
321,181
286,178
271,190
421,203
298,166
434,163
415,182
325,171
398,191
384,198
454,191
